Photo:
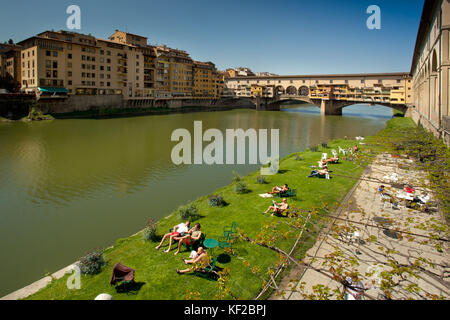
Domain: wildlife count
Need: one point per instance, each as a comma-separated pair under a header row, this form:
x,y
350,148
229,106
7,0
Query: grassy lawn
x,y
155,270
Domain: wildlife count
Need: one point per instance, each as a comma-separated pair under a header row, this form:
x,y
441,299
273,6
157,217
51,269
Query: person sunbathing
x,y
323,164
193,235
333,160
202,260
277,190
178,232
316,173
278,208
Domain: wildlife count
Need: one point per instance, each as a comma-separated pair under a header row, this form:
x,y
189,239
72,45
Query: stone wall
x,y
81,103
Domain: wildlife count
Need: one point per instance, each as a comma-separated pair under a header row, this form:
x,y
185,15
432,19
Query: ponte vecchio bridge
x,y
331,93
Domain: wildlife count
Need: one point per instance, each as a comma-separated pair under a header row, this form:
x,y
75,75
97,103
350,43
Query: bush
x,y
298,157
261,180
188,212
236,177
92,263
216,201
314,148
150,230
324,145
240,188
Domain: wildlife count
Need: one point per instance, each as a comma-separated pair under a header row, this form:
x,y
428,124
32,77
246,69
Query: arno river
x,y
69,186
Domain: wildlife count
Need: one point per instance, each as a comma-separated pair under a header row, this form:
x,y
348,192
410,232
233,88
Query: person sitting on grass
x,y
323,164
317,173
278,208
202,260
355,149
178,232
278,190
193,235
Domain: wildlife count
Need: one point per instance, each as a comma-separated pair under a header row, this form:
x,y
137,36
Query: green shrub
x,y
150,230
188,212
314,148
240,188
236,177
216,201
261,180
324,145
298,157
92,263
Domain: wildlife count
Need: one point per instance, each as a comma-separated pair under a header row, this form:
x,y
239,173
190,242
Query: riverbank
x,y
136,112
125,113
157,270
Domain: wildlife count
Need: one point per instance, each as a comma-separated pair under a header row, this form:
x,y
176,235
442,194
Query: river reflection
x,y
66,186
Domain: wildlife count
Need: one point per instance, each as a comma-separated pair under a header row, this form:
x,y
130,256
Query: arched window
x,y
434,62
292,91
303,91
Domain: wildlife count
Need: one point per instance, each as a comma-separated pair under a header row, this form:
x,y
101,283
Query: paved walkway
x,y
367,215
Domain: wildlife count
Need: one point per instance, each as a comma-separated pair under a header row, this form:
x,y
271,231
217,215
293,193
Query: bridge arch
x,y
292,91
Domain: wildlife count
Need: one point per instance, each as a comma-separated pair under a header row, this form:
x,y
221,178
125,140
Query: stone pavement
x,y
378,239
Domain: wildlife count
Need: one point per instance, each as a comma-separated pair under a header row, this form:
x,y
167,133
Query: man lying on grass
x,y
278,208
193,235
317,173
202,260
177,233
333,160
277,189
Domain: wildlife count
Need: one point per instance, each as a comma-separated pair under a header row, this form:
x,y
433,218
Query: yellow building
x,y
256,90
10,61
205,80
123,64
219,79
82,64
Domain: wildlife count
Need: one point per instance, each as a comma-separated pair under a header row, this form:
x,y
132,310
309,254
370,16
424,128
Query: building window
x,y
55,54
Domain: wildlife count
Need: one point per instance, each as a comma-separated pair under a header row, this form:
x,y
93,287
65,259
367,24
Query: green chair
x,y
227,242
208,272
227,231
194,245
291,193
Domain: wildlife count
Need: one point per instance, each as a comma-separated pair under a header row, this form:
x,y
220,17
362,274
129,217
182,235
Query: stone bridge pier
x,y
331,107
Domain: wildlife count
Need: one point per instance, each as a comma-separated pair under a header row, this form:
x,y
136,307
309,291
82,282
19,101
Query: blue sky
x,y
283,36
